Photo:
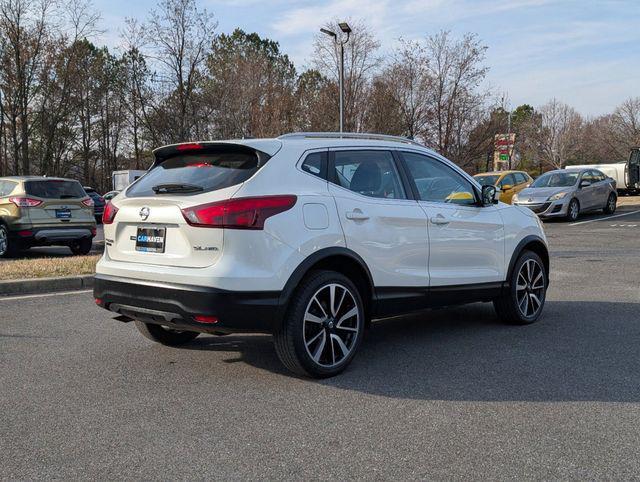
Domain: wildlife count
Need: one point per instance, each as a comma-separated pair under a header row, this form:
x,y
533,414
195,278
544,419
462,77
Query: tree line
x,y
71,108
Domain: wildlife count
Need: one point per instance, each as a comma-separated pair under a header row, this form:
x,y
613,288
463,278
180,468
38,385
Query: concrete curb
x,y
45,285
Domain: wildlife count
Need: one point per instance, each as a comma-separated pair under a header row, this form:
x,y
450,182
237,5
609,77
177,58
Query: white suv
x,y
308,237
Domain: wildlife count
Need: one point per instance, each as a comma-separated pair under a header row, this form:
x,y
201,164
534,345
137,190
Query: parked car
x,y
309,237
565,193
98,203
110,195
509,182
44,211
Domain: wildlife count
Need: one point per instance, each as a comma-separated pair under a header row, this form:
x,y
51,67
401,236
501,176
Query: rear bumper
x,y
58,235
176,305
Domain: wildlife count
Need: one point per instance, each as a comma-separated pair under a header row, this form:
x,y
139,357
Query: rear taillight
x,y
25,202
241,213
109,213
88,202
205,319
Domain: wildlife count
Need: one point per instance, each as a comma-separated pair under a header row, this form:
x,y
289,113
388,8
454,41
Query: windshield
x,y
197,172
557,179
55,189
487,180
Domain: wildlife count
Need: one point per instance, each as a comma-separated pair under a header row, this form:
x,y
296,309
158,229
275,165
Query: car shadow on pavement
x,y
578,351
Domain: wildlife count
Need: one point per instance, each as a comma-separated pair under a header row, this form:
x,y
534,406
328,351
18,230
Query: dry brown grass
x,y
47,267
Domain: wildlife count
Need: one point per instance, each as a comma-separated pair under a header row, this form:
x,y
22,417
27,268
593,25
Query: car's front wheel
x,y
522,302
323,326
165,336
573,211
610,208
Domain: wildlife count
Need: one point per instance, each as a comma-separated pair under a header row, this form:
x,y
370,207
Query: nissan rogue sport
x,y
308,237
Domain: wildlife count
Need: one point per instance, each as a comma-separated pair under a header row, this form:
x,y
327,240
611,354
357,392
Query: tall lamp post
x,y
344,26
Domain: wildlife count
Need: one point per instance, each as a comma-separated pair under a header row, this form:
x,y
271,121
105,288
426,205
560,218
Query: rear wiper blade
x,y
171,188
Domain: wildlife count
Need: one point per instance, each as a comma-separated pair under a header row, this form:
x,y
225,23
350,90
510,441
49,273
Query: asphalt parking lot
x,y
442,395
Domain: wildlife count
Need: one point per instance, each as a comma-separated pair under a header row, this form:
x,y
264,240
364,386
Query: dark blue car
x,y
98,203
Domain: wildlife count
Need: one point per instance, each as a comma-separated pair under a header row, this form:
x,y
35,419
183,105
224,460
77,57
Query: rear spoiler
x,y
264,148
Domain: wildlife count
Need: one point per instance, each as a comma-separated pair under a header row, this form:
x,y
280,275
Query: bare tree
x,y
23,33
558,135
180,36
361,63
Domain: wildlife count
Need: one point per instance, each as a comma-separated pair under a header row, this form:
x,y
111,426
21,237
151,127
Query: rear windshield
x,y
197,172
55,189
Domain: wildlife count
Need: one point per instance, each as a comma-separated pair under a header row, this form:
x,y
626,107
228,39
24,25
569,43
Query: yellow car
x,y
509,182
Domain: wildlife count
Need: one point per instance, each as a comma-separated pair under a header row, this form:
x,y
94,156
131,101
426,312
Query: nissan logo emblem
x,y
144,213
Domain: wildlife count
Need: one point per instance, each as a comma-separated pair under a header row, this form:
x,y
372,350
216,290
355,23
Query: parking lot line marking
x,y
604,219
42,295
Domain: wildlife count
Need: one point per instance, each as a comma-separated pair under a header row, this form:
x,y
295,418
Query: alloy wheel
x,y
573,210
331,325
4,240
530,288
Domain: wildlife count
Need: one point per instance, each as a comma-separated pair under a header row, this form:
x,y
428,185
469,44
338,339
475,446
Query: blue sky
x,y
585,53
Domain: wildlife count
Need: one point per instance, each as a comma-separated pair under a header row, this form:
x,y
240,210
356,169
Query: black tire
x,y
294,337
610,208
8,248
573,211
509,307
82,246
165,336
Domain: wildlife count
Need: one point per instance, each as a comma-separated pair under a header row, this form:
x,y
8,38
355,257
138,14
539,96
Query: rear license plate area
x,y
151,240
63,213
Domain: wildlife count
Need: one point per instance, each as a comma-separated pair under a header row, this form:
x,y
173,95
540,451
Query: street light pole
x,y
340,43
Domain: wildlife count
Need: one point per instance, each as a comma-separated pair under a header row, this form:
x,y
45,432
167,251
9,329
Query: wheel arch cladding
x,y
341,260
530,243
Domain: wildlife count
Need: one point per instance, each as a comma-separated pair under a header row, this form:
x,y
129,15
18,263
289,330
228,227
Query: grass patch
x,y
47,267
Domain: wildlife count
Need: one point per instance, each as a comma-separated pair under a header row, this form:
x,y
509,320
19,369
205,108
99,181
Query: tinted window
x,y
437,182
193,173
557,179
598,176
487,180
314,164
370,173
6,187
520,177
508,180
55,189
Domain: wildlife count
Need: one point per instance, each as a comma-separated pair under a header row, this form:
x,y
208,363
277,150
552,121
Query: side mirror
x,y
489,195
584,183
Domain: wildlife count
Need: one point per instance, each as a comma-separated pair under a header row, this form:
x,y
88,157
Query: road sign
x,y
503,151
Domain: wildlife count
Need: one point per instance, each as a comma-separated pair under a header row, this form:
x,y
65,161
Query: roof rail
x,y
349,135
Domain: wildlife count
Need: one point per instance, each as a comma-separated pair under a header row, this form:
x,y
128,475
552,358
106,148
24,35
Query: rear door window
x,y
369,173
7,187
55,189
196,172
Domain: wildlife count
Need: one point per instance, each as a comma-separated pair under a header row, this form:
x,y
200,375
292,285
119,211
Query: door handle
x,y
439,219
356,215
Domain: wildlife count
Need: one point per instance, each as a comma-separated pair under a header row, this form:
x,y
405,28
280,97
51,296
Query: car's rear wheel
x,y
164,335
7,248
573,211
323,326
522,302
82,246
610,208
